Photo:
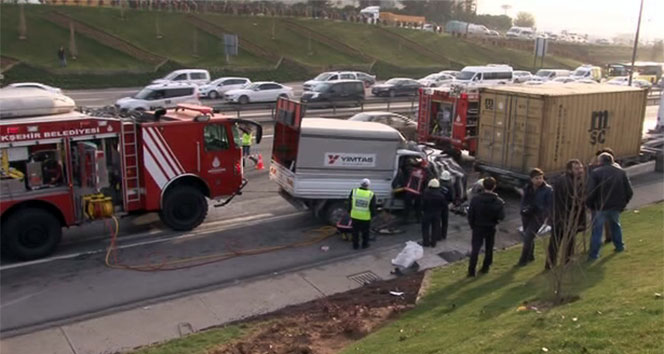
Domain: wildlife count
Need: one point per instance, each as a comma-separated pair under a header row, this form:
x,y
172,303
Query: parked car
x,y
264,91
35,85
562,80
407,127
454,73
159,96
520,32
494,33
520,76
191,76
396,87
340,75
624,81
435,80
341,92
218,87
550,74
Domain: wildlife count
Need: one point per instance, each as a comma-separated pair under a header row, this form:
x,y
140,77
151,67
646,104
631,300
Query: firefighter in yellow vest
x,y
247,139
362,206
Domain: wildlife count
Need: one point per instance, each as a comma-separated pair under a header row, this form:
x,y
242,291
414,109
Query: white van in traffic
x,y
190,76
520,32
488,75
159,96
550,74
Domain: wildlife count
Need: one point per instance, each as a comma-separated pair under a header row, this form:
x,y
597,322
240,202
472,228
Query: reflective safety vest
x,y
361,204
246,139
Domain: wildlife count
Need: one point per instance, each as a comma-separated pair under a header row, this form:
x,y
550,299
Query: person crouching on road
x,y
609,192
433,202
362,207
535,209
486,210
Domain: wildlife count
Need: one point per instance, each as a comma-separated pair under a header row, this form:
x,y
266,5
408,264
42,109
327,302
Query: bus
x,y
643,70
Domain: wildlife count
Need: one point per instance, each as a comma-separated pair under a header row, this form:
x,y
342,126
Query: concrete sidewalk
x,y
126,330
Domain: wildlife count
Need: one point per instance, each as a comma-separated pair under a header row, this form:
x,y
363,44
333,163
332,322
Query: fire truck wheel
x,y
184,208
334,212
31,233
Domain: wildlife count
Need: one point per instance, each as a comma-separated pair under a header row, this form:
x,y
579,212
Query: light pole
x,y
636,44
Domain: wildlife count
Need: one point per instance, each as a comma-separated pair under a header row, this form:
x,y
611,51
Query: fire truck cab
x,y
448,117
70,168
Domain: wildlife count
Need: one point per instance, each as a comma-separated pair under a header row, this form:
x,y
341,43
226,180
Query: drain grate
x,y
364,278
452,256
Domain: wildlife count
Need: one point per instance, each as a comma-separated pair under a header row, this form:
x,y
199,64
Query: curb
x,y
640,169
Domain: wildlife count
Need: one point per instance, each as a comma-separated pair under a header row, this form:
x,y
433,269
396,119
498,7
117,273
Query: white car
x,y
435,80
264,91
218,87
520,76
453,73
159,96
190,76
562,80
367,79
624,81
35,85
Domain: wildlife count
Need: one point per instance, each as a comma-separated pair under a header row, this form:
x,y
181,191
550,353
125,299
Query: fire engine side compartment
x,y
545,126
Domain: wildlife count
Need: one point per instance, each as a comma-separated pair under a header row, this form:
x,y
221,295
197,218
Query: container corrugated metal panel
x,y
524,127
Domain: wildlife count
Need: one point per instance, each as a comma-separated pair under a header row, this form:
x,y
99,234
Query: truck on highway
x,y
317,161
61,169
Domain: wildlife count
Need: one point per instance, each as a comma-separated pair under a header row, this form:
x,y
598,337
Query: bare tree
x,y
22,27
73,50
524,19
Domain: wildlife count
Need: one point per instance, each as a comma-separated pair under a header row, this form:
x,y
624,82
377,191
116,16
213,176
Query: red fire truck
x,y
449,117
71,168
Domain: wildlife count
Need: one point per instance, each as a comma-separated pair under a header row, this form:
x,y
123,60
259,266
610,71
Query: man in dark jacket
x,y
486,210
535,209
435,201
569,212
362,207
609,192
593,165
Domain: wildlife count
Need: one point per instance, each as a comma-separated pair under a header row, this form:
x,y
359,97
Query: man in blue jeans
x,y
609,191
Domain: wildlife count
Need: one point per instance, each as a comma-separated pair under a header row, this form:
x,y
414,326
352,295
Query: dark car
x,y
335,93
397,87
407,127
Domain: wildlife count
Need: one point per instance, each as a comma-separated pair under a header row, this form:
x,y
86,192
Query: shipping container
x,y
522,127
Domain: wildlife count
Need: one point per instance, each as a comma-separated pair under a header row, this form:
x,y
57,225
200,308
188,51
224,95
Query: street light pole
x,y
636,44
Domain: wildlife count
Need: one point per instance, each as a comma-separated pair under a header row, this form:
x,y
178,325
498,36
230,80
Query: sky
x,y
598,18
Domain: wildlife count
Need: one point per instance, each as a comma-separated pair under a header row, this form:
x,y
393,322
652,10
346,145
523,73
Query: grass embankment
x,y
308,46
617,310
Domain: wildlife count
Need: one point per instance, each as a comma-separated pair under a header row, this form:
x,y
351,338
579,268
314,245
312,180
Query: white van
x,y
488,75
190,76
550,74
520,32
159,96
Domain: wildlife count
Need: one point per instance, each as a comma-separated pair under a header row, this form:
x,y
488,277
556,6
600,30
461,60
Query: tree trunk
x,y
73,51
22,27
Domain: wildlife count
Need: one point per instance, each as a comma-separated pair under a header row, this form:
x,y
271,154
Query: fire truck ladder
x,y
130,171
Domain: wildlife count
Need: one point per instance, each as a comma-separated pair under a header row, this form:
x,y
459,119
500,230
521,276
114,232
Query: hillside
x,y
128,48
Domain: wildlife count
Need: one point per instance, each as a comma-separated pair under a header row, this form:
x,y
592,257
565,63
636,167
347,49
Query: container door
x,y
220,159
523,132
288,119
495,111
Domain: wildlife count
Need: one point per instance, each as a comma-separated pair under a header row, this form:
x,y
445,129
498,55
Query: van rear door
x,y
288,119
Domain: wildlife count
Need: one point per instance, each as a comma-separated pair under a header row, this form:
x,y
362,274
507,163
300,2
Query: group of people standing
x,y
605,190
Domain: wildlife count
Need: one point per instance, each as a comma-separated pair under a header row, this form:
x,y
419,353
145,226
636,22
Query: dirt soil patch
x,y
327,325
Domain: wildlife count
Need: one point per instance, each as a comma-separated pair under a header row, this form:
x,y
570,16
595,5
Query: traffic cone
x,y
259,164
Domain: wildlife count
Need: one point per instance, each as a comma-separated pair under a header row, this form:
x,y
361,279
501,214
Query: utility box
x,y
522,127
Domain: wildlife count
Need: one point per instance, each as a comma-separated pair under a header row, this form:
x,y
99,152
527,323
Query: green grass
x,y
198,343
139,28
44,38
617,311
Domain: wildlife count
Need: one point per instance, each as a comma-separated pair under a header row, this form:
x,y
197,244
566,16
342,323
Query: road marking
x,y
232,223
25,297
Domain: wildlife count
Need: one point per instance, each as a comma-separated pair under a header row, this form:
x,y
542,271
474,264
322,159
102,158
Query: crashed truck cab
x,y
62,168
317,161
